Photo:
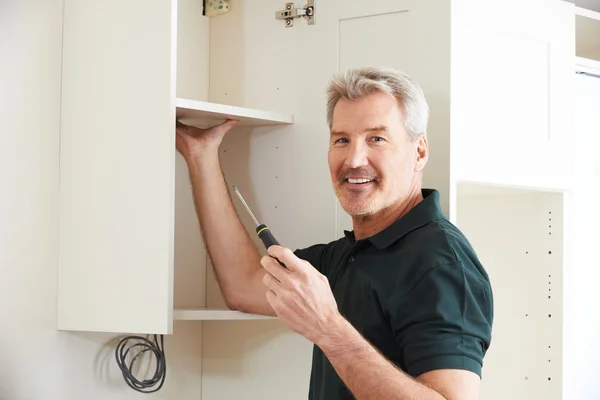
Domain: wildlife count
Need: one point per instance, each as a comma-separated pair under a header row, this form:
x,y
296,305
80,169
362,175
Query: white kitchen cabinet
x,y
499,81
127,74
512,93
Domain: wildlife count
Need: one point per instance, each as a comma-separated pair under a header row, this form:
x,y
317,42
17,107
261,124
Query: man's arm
x,y
234,257
369,375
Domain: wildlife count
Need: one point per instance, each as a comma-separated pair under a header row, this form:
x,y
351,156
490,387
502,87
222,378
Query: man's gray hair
x,y
357,82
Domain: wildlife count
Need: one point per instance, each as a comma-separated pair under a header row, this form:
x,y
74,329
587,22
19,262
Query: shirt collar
x,y
424,212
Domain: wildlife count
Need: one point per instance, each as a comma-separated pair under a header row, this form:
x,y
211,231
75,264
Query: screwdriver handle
x,y
265,234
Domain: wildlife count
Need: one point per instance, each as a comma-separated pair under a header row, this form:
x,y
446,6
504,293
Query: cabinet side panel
x,y
192,51
581,250
117,166
518,238
192,83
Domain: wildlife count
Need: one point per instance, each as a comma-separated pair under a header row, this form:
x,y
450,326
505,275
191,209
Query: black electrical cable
x,y
142,346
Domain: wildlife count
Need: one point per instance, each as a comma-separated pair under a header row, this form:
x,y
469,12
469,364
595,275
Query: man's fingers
x,y
270,281
273,267
271,297
232,122
287,256
227,125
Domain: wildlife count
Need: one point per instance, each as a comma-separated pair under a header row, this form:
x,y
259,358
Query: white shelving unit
x,y
499,79
205,114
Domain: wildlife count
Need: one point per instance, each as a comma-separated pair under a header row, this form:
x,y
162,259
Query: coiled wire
x,y
142,345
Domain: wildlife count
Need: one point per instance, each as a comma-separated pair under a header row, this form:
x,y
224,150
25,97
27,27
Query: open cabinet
x,y
499,81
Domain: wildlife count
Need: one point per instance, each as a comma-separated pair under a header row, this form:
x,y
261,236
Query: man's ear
x,y
422,156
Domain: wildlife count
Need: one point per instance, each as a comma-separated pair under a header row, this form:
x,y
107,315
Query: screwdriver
x,y
263,231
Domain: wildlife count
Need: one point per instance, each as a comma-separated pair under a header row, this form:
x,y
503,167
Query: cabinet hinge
x,y
290,12
215,7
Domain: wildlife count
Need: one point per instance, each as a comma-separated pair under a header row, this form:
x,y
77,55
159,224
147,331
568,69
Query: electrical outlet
x,y
215,7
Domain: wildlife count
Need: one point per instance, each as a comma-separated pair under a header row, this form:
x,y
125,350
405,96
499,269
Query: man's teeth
x,y
358,180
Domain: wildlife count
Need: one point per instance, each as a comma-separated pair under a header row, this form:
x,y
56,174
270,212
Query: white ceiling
x,y
589,4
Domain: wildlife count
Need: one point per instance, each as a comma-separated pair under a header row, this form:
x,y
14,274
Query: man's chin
x,y
359,210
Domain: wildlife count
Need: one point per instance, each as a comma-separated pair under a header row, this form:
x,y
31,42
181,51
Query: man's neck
x,y
370,225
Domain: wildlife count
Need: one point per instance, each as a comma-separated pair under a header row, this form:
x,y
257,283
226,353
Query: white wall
x,y
37,361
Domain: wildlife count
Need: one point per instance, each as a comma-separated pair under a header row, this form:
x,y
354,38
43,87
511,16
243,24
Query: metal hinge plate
x,y
215,7
290,12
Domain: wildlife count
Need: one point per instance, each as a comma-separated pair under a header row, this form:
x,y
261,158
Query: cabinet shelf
x,y
203,314
202,113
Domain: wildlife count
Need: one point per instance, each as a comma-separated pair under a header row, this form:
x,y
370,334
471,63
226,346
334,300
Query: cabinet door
x,y
414,37
512,71
117,158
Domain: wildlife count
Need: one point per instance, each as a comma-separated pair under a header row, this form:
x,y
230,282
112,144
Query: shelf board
x,y
201,314
204,114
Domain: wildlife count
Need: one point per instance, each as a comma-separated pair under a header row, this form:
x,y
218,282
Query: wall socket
x,y
215,7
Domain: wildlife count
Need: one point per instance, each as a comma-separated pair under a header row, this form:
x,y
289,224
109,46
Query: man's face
x,y
372,160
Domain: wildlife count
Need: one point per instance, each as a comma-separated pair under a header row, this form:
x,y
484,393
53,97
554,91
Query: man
x,y
399,308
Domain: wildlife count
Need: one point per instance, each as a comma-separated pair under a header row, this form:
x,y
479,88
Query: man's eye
x,y
341,140
377,138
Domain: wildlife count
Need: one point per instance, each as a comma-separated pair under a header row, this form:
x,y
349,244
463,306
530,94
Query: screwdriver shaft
x,y
263,231
239,195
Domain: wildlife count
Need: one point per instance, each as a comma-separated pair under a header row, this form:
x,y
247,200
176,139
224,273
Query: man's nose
x,y
357,155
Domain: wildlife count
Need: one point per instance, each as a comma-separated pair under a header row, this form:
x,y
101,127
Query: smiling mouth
x,y
359,181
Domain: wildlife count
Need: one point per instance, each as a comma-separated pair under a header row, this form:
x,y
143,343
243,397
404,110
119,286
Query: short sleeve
x,y
314,255
444,321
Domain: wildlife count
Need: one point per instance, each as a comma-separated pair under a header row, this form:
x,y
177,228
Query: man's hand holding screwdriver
x,y
301,296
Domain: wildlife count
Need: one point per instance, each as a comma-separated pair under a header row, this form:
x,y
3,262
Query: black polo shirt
x,y
416,291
